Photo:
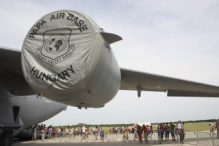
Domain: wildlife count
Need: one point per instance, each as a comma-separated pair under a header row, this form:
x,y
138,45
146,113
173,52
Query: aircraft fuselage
x,y
20,112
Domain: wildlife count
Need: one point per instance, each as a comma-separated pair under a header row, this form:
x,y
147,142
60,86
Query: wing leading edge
x,y
134,80
11,78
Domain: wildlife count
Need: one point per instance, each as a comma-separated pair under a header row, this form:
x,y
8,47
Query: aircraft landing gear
x,y
6,138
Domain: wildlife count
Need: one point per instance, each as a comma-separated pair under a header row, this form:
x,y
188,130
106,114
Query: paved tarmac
x,y
51,142
115,140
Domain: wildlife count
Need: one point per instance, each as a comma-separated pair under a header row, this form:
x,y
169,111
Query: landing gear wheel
x,y
6,140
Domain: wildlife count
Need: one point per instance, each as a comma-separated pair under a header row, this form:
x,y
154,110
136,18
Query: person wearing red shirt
x,y
162,131
139,131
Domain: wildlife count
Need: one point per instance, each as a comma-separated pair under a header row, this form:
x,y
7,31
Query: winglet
x,y
111,38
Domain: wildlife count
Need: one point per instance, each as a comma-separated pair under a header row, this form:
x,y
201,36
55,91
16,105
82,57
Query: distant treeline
x,y
196,121
131,124
102,125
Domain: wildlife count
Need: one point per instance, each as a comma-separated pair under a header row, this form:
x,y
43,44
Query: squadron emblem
x,y
56,46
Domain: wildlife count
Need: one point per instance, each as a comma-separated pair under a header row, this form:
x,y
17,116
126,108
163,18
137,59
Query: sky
x,y
176,38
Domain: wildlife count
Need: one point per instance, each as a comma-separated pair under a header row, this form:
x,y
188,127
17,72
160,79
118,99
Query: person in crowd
x,y
211,128
66,131
42,132
74,132
93,130
217,127
86,132
135,133
80,131
120,130
148,128
159,133
50,132
116,130
176,132
59,131
55,132
172,128
77,131
96,132
162,131
34,130
123,129
167,132
151,129
62,134
101,133
70,131
132,129
124,136
148,131
45,131
181,131
139,131
83,132
126,133
145,130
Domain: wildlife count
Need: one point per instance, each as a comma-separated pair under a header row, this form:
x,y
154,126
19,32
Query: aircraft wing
x,y
11,76
134,80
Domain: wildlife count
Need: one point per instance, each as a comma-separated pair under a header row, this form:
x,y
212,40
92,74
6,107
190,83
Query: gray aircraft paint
x,y
35,110
32,110
66,57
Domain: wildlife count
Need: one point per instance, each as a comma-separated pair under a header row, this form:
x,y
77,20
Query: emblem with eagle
x,y
56,43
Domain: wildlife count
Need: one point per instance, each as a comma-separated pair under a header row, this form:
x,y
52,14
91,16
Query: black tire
x,y
6,140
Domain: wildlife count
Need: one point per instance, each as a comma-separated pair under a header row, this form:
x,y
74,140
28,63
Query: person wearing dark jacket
x,y
139,131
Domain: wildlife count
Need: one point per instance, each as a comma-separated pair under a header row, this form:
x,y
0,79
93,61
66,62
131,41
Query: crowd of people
x,y
136,129
175,130
140,132
163,131
41,131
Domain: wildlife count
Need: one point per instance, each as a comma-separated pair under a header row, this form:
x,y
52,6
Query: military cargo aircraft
x,y
66,59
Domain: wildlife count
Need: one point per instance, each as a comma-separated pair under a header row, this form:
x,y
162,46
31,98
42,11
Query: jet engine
x,y
67,57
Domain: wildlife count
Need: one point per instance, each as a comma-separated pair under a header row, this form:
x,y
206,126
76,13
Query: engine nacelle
x,y
66,58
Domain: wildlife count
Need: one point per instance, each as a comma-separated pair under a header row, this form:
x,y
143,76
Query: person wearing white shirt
x,y
96,132
66,131
83,129
211,126
83,132
181,131
59,132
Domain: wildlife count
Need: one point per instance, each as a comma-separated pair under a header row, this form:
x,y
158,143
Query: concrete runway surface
x,y
91,143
